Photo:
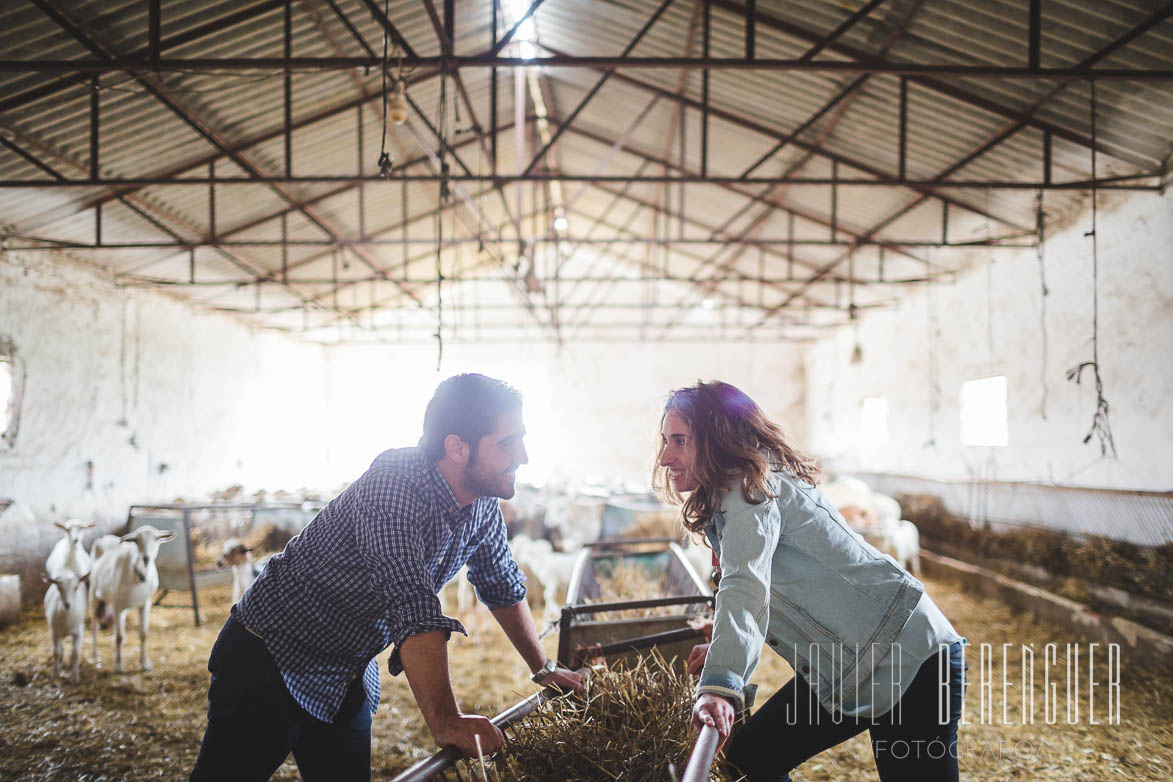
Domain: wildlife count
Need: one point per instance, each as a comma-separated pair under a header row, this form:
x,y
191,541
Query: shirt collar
x,y
444,493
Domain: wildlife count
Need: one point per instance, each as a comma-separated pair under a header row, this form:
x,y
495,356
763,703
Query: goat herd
x,y
117,575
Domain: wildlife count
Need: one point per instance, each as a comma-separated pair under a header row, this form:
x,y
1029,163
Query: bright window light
x,y
873,421
983,411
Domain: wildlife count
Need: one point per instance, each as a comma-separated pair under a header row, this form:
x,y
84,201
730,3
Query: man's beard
x,y
484,484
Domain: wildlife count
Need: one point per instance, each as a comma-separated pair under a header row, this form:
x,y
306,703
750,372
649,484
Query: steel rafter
x,y
150,52
877,175
792,28
143,65
1118,182
207,131
842,100
144,210
996,138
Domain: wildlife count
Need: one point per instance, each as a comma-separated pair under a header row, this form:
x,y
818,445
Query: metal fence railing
x,y
1141,517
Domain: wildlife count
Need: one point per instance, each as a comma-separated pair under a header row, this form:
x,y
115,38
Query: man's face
x,y
677,452
492,465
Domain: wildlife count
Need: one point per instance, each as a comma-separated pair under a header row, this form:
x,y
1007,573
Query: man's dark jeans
x,y
908,743
254,723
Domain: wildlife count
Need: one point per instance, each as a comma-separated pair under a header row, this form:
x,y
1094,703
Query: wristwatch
x,y
545,671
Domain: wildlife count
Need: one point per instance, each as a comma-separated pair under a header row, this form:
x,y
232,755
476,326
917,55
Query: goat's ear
x,y
168,535
129,537
60,526
88,524
249,549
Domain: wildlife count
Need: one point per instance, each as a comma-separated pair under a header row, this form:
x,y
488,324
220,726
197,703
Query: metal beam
x,y
998,137
595,89
206,130
47,243
835,34
1120,182
143,210
770,132
386,24
937,85
143,65
196,33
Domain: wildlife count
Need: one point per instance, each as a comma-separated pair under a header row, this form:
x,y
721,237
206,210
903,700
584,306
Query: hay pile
x,y
629,580
630,724
148,726
656,524
1071,566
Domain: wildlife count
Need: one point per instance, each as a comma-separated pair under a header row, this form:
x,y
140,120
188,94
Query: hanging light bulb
x,y
398,109
560,223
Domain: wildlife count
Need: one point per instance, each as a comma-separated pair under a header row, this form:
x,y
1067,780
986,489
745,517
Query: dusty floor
x,y
148,726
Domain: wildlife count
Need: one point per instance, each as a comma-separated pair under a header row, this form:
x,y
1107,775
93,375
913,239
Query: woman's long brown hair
x,y
731,437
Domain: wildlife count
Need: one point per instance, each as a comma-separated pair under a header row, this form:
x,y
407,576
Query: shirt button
x,y
806,669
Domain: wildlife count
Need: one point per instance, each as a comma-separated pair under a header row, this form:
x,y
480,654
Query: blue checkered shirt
x,y
364,574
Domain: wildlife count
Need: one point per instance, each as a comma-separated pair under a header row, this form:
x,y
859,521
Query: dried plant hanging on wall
x,y
1101,427
1040,239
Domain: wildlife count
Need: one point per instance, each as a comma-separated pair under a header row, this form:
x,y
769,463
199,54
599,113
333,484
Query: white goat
x,y
65,610
900,539
550,568
125,577
69,553
239,558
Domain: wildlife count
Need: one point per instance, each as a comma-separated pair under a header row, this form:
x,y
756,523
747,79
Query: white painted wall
x,y
989,323
164,401
591,410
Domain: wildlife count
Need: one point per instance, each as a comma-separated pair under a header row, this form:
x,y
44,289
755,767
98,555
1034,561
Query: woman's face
x,y
677,452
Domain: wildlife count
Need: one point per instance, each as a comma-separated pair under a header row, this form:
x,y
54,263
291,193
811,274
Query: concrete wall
x,y
162,401
990,322
131,396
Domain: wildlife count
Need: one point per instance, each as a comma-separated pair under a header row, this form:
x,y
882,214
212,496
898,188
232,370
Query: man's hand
x,y
696,660
564,679
461,732
713,710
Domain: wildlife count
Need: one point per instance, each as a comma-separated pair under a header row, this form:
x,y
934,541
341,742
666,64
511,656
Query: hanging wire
x,y
1040,239
933,365
385,161
1101,427
442,131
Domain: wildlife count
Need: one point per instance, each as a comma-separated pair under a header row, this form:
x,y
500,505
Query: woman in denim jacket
x,y
870,650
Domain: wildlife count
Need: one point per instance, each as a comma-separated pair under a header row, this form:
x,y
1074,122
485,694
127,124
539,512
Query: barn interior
x,y
242,242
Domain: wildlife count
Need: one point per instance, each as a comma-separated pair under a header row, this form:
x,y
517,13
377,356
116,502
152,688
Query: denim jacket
x,y
794,574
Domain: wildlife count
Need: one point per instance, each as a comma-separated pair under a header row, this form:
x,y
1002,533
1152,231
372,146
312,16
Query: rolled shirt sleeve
x,y
394,553
498,580
742,613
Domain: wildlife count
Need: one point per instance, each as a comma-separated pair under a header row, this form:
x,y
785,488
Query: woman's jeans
x,y
908,743
254,723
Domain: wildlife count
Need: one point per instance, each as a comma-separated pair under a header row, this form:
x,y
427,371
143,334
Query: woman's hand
x,y
696,659
713,710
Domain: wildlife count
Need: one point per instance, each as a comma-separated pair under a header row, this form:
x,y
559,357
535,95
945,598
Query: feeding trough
x,y
602,621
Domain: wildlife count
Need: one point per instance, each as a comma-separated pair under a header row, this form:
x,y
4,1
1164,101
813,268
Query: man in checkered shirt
x,y
294,667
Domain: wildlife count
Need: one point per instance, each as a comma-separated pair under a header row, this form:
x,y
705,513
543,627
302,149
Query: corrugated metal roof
x,y
173,124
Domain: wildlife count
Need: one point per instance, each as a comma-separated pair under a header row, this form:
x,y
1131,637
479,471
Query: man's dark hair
x,y
467,406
